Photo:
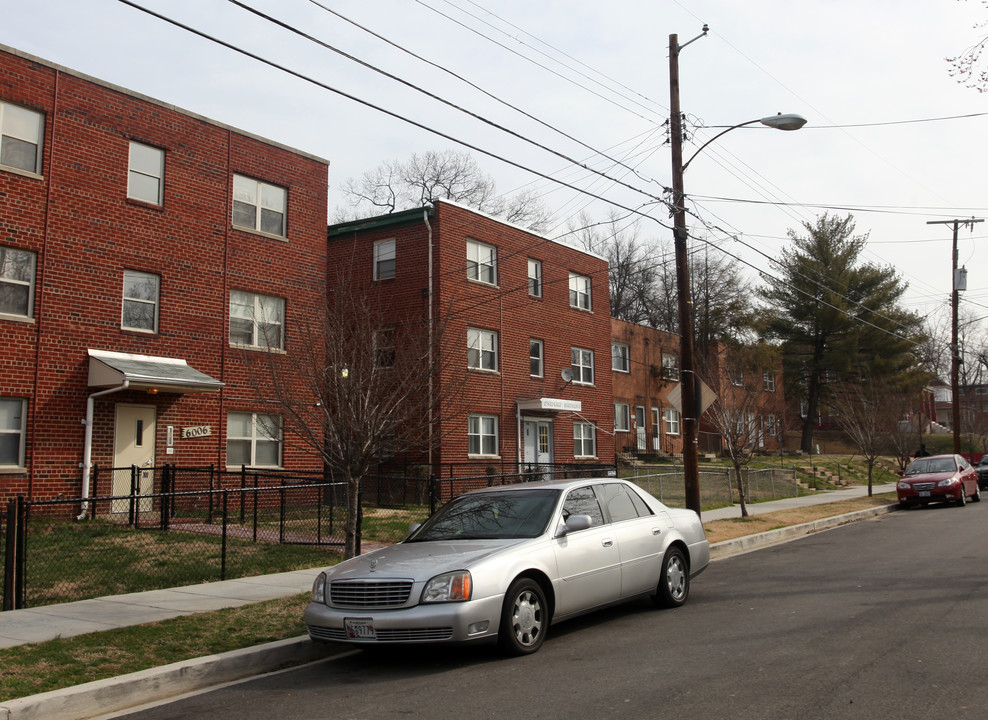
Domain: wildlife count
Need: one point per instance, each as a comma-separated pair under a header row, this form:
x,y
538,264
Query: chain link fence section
x,y
717,485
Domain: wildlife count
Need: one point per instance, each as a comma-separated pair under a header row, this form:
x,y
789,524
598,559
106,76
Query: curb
x,y
127,692
737,546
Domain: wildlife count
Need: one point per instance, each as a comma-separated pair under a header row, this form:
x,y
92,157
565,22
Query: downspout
x,y
87,449
425,218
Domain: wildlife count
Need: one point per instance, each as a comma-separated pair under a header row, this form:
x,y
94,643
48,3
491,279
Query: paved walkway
x,y
18,627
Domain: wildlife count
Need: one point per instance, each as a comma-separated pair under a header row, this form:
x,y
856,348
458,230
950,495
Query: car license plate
x,y
924,493
360,628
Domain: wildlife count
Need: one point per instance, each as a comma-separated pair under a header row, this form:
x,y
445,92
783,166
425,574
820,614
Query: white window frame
x,y
265,200
135,279
262,428
535,277
14,263
622,417
16,126
620,357
581,362
584,434
671,420
580,292
670,367
482,436
385,259
265,311
146,173
482,351
536,363
13,414
481,262
768,381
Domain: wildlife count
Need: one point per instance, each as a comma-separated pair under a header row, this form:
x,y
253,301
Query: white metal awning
x,y
551,404
145,372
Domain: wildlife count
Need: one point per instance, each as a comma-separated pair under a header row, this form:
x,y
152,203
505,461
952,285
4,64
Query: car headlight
x,y
948,481
319,589
903,485
449,587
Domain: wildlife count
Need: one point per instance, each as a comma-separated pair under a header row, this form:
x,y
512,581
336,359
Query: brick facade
x,y
74,217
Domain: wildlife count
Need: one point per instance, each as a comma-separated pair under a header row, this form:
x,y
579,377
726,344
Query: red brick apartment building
x,y
527,327
145,251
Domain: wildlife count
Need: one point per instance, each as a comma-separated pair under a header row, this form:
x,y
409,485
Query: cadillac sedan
x,y
938,478
505,563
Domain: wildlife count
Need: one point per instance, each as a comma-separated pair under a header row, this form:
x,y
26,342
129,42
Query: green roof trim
x,y
377,222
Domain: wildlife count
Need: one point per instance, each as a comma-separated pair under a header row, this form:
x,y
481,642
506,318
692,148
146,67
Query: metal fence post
x,y
13,567
223,543
133,491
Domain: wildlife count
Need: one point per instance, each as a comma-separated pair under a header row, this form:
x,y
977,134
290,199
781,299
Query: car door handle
x,y
607,542
656,531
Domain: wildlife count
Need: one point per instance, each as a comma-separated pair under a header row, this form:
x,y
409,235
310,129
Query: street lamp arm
x,y
778,122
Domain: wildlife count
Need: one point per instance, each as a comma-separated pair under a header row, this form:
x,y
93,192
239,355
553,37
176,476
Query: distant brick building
x,y
144,251
527,329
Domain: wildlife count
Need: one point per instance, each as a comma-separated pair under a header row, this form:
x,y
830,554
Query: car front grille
x,y
325,633
924,486
415,634
370,594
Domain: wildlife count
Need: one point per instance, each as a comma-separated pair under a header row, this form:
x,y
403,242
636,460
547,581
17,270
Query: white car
x,y
504,563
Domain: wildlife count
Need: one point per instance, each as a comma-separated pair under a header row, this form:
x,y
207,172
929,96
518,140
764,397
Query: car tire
x,y
977,494
524,618
962,500
674,580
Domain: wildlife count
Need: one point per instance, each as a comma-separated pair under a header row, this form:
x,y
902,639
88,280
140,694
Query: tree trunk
x,y
352,516
740,484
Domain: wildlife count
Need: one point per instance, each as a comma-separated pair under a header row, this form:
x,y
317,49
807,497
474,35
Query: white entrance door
x,y
134,445
538,442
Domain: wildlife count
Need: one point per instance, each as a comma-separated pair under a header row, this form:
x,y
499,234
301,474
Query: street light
x,y
688,384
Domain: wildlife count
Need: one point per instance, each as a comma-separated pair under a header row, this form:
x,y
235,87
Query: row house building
x,y
145,253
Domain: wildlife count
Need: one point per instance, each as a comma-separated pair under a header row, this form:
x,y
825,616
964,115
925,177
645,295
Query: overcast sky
x,y
885,138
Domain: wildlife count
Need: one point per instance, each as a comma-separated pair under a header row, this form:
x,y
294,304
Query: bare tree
x,y
969,67
447,175
360,385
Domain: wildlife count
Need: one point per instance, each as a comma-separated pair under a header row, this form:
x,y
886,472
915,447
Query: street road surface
x,y
878,619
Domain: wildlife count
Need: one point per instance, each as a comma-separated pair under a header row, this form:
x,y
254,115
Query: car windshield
x,y
491,516
923,466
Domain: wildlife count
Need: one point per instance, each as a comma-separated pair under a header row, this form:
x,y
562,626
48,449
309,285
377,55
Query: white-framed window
x,y
670,367
579,291
771,426
620,357
146,173
481,262
253,439
21,133
384,259
17,282
482,435
670,417
259,206
257,320
736,376
768,381
582,365
622,417
12,425
536,358
140,301
481,349
584,440
535,278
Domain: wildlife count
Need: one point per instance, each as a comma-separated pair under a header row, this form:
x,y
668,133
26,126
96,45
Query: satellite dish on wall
x,y
567,375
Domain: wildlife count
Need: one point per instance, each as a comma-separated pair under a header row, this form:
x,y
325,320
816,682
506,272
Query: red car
x,y
938,478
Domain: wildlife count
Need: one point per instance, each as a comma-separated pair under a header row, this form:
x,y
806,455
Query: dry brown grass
x,y
718,530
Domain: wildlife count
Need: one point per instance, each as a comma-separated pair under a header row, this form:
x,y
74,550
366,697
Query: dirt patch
x,y
718,530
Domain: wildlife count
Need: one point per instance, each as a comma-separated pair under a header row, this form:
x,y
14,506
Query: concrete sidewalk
x,y
18,627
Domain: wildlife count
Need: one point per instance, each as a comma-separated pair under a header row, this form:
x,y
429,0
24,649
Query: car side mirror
x,y
574,523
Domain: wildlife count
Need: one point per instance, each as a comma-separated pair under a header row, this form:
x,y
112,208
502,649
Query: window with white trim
x,y
670,417
481,262
768,381
259,206
21,133
771,426
670,367
146,173
579,291
622,417
257,320
481,349
482,435
17,282
536,358
535,278
253,439
582,365
620,357
140,301
384,259
584,440
12,414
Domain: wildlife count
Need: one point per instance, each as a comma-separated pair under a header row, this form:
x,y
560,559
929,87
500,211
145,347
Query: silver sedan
x,y
504,563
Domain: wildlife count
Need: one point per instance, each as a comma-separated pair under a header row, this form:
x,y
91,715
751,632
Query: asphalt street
x,y
876,619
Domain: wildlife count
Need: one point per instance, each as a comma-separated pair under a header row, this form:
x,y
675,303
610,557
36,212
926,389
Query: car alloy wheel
x,y
674,580
524,618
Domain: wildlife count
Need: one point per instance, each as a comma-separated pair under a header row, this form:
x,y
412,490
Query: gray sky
x,y
859,70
